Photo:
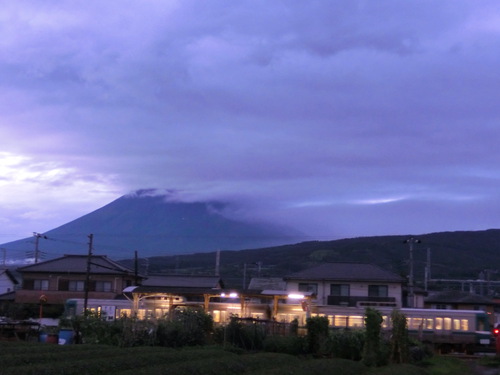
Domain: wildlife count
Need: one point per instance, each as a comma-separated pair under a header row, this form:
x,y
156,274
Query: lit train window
x,y
439,323
456,324
385,321
429,323
447,324
415,323
465,325
125,312
341,320
331,320
216,316
356,321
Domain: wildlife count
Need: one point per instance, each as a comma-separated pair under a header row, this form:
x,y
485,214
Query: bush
x,y
294,345
346,344
317,333
238,333
187,328
372,349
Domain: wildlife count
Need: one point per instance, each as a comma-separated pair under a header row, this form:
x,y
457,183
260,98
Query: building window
x,y
308,287
76,285
339,290
40,284
441,306
103,286
378,291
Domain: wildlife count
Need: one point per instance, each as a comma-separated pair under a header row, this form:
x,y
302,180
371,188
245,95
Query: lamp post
x,y
411,293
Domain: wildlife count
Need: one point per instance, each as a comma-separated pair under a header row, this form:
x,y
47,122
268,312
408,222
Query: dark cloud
x,y
342,118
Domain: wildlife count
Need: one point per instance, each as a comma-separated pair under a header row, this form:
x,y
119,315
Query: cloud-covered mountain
x,y
154,223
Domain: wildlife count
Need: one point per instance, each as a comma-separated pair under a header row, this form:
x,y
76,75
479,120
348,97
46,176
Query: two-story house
x,y
7,281
65,277
348,285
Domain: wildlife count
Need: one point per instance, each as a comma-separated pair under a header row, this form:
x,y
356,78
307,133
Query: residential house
x,y
349,285
459,300
8,282
65,277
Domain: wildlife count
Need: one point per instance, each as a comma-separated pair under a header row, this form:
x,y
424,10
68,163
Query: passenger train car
x,y
446,330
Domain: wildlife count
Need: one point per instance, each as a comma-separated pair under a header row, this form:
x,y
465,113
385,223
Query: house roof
x,y
346,272
9,275
184,281
99,264
458,297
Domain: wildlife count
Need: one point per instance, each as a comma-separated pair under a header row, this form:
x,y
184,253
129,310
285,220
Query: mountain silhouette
x,y
154,224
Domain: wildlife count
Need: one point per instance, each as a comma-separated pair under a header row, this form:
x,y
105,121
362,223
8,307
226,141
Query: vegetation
x,y
317,334
389,252
372,349
400,342
41,359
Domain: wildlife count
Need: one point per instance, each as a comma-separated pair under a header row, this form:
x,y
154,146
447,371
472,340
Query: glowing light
x,y
230,295
295,296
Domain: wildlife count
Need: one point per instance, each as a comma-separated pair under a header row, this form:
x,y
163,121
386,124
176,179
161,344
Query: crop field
x,y
40,359
47,359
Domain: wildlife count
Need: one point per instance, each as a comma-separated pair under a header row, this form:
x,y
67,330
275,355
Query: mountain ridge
x,y
453,254
156,224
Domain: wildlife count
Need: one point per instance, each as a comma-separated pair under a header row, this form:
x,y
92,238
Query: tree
x,y
372,354
317,333
400,352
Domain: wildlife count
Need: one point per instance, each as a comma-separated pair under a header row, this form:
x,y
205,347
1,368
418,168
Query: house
x,y
65,277
349,285
459,300
8,282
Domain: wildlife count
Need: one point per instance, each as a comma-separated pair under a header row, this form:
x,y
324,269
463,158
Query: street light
x,y
411,292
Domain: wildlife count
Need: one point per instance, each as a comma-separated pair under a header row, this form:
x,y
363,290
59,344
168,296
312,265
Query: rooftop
x,y
99,264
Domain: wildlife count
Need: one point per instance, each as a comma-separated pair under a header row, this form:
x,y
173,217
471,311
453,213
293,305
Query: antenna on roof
x,y
37,239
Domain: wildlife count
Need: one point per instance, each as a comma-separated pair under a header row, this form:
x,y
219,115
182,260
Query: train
x,y
466,331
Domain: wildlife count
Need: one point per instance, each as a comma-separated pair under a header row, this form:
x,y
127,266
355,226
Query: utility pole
x,y
37,240
217,263
411,291
136,268
87,278
427,269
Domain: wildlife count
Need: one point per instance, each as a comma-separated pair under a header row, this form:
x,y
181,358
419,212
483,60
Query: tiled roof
x,y
100,264
346,272
183,281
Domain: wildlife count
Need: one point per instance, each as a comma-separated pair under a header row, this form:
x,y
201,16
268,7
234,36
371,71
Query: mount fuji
x,y
153,225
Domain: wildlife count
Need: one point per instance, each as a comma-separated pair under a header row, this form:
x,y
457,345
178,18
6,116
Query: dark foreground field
x,y
38,359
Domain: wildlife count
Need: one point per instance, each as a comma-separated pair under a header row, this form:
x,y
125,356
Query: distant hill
x,y
457,255
153,225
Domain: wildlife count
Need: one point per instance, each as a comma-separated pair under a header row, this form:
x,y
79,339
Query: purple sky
x,y
340,118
